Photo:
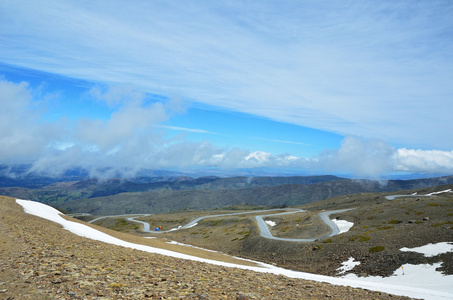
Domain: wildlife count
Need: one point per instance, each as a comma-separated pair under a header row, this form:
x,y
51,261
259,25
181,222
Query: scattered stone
x,y
95,270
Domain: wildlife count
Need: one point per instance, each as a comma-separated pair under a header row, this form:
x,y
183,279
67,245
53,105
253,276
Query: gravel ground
x,y
39,260
388,225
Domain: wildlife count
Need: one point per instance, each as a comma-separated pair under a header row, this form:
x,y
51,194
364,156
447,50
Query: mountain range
x,y
158,194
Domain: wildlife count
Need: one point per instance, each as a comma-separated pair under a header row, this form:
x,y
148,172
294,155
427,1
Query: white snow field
x,y
420,281
343,225
430,250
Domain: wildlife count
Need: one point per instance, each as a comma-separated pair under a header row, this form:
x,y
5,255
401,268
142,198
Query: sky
x,y
417,281
362,89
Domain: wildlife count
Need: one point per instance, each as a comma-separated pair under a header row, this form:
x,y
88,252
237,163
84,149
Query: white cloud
x,y
185,129
373,158
368,158
413,160
22,132
121,125
378,70
128,140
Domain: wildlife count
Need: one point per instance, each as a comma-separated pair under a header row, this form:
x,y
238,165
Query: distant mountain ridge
x,y
163,194
277,195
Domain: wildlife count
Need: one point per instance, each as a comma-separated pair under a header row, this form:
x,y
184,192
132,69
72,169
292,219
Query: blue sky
x,y
359,88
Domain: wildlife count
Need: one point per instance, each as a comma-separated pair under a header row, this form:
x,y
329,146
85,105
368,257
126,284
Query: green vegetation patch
x,y
395,221
214,222
364,238
360,238
443,223
385,227
122,224
376,249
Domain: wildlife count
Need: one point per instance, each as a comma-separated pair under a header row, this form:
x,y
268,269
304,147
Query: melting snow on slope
x,y
179,227
271,223
347,265
343,225
431,250
187,245
415,276
418,282
440,192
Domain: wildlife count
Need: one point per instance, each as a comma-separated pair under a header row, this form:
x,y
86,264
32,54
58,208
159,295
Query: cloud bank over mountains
x,y
376,73
131,139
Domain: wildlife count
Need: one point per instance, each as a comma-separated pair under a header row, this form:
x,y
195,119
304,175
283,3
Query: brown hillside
x,y
39,260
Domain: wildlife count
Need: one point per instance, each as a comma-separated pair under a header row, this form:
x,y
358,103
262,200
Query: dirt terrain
x,y
40,260
381,228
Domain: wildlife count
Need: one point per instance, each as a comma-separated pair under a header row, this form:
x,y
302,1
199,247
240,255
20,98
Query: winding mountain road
x,y
264,228
265,232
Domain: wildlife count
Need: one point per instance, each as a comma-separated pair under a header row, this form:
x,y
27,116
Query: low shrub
x,y
115,285
385,227
364,238
443,223
376,249
360,238
394,221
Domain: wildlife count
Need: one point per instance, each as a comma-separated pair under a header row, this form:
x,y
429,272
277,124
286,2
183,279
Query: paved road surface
x,y
265,232
264,228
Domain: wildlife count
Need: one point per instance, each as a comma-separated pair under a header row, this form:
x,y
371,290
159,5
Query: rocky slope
x,y
39,260
379,224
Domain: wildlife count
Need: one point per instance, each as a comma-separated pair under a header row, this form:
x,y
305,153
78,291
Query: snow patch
x,y
343,225
440,192
431,250
347,265
416,276
187,245
422,281
179,227
271,223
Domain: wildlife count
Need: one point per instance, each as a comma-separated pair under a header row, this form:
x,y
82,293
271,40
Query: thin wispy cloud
x,y
369,69
125,143
284,142
185,129
378,73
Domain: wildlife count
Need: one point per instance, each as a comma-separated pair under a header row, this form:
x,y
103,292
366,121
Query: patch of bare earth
x,y
40,260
